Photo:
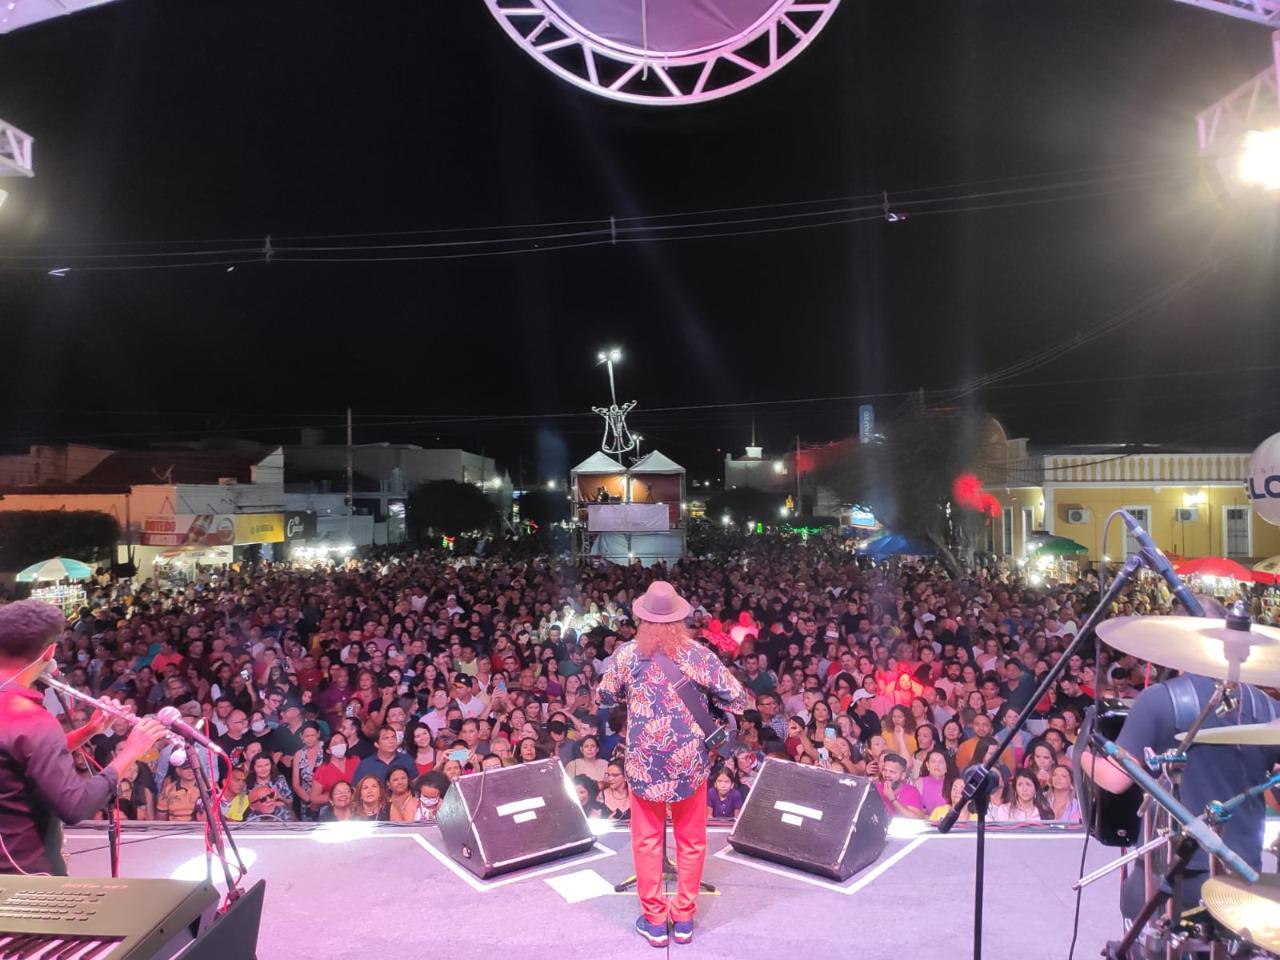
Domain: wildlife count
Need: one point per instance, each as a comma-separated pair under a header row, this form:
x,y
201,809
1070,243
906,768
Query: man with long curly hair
x,y
667,764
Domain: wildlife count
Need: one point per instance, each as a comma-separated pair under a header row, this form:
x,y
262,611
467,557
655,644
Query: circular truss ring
x,y
623,71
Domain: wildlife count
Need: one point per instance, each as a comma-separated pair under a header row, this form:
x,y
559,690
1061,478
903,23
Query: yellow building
x,y
1192,502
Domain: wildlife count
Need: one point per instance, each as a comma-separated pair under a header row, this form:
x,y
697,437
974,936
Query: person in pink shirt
x,y
900,797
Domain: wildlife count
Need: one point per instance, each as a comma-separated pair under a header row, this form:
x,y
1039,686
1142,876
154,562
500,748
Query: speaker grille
x,y
820,821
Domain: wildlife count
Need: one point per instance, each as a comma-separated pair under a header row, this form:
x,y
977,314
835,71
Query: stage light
x,y
344,831
551,484
598,826
726,520
779,467
783,512
196,869
1259,162
1035,579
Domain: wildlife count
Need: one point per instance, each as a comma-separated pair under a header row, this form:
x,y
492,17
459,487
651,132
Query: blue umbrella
x,y
897,544
59,568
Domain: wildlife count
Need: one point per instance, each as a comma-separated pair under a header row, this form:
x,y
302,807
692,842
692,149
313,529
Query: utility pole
x,y
351,477
798,505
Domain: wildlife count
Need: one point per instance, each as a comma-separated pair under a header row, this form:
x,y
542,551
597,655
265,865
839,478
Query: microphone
x,y
171,717
1158,562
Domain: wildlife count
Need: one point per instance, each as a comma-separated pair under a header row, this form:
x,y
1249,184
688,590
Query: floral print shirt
x,y
666,758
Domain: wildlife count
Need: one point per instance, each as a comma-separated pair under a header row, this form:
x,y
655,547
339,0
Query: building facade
x,y
1193,502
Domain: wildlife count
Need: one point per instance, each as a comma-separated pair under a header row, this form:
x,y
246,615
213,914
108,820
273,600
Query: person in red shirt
x,y
339,766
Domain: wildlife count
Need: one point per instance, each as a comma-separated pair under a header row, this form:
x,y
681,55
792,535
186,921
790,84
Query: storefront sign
x,y
299,525
213,529
259,527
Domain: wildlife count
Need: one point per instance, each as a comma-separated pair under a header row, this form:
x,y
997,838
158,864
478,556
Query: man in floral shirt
x,y
667,761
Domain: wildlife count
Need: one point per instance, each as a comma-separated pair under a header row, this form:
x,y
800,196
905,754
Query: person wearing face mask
x,y
430,789
339,767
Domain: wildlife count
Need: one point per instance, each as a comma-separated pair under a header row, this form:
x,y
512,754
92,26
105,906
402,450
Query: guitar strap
x,y
690,693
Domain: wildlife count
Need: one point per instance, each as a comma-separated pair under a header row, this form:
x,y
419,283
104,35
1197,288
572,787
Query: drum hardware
x,y
1244,734
1197,832
1157,761
1134,854
1250,913
1234,650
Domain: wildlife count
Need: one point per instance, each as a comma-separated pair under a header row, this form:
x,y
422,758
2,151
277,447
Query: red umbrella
x,y
1216,567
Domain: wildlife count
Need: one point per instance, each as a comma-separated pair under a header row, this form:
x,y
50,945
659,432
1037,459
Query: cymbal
x,y
1251,911
1245,734
1198,645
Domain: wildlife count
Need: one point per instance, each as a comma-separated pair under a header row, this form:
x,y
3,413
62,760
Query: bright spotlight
x,y
779,467
196,868
1259,163
551,484
726,520
615,354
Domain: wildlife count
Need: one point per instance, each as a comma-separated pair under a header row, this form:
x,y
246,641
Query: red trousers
x,y
648,824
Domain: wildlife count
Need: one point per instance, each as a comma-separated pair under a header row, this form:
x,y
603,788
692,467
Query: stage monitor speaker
x,y
509,818
819,821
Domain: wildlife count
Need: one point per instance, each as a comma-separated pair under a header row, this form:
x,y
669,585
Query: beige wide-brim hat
x,y
661,604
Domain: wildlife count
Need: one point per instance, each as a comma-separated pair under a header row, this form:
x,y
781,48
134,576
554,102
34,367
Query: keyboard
x,y
77,918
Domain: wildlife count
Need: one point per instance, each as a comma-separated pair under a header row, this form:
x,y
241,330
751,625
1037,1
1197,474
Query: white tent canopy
x,y
599,463
656,462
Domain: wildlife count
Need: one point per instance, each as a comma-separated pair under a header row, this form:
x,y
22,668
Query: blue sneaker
x,y
655,933
683,930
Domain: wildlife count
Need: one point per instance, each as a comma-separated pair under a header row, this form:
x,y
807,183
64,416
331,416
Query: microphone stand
x,y
979,781
215,823
109,811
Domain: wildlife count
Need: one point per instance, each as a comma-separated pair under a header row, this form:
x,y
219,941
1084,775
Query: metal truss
x,y
15,14
15,152
650,77
1253,104
1259,11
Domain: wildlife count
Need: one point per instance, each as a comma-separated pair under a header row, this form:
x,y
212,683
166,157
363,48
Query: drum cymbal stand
x,y
1197,832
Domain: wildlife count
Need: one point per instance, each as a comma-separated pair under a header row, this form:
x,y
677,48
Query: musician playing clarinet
x,y
40,788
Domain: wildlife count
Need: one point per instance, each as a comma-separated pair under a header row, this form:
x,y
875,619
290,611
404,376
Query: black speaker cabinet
x,y
815,820
513,817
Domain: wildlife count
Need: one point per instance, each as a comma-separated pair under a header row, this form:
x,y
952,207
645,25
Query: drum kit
x,y
1240,916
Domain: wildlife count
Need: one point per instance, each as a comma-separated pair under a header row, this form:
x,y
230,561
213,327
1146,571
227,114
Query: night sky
x,y
200,121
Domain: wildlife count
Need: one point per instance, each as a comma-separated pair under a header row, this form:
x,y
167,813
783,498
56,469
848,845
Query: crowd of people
x,y
363,691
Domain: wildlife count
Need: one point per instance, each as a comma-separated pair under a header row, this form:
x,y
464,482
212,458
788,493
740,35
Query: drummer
x,y
1211,773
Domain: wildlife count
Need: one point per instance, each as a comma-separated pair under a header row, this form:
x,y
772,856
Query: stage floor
x,y
352,891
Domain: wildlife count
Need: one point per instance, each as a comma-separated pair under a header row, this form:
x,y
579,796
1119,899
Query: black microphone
x,y
171,717
1158,562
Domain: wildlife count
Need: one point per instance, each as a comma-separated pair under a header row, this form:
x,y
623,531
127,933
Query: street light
x,y
609,358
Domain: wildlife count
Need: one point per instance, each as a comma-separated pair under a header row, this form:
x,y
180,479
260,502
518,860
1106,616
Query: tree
x,y
906,478
744,504
29,536
450,507
544,507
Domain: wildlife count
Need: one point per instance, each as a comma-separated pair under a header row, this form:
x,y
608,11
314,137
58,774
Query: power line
x,y
599,234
